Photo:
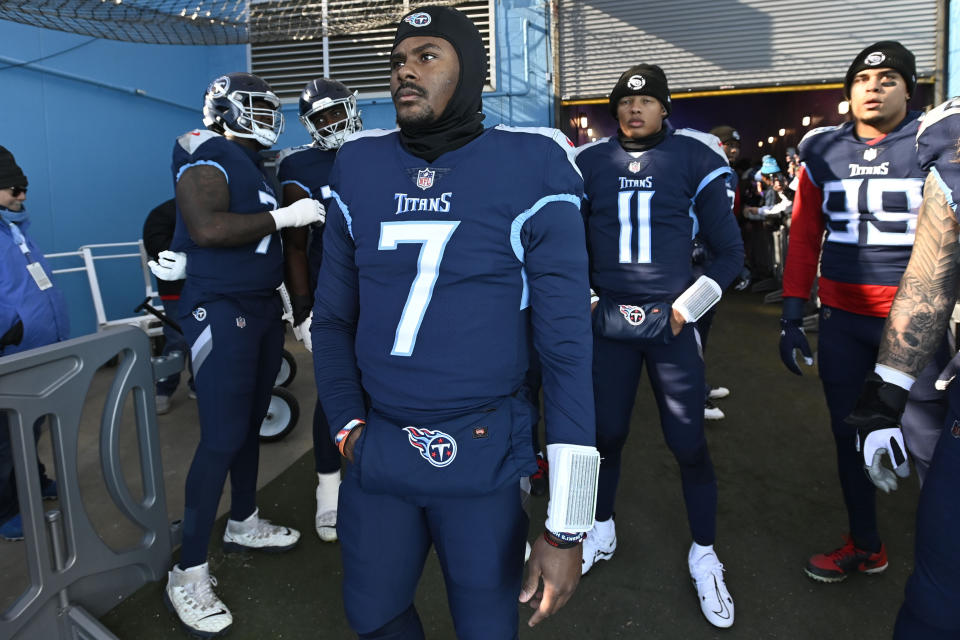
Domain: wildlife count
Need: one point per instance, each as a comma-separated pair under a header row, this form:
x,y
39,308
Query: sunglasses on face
x,y
16,191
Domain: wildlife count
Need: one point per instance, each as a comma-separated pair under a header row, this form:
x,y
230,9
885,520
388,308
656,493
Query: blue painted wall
x,y
92,123
98,158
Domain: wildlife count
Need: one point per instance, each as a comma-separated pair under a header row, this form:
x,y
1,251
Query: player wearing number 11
x,y
855,215
648,191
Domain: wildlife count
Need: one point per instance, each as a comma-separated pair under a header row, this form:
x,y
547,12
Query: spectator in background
x,y
793,164
32,314
157,234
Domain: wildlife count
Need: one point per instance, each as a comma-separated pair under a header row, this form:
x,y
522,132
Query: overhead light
x,y
806,121
589,132
843,108
770,139
783,132
583,121
759,143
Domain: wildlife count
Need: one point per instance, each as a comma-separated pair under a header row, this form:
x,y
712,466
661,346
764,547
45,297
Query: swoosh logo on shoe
x,y
215,613
723,612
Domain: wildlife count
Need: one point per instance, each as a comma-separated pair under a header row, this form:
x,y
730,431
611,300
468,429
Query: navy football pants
x,y
847,352
930,609
384,540
236,358
676,373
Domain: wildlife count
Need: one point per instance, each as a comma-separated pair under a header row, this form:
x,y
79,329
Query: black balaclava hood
x,y
462,120
641,80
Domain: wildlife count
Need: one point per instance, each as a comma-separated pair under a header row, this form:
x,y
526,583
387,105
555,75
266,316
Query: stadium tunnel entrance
x,y
770,120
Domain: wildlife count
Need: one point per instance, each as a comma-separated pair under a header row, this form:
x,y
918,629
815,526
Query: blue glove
x,y
792,337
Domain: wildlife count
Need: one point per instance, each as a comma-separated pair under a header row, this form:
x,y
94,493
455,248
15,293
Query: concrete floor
x,y
779,503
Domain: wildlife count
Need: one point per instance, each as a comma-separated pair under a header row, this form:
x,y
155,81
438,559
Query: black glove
x,y
793,337
302,306
743,280
13,335
877,420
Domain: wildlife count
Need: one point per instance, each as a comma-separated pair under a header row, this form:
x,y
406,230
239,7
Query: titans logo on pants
x,y
436,447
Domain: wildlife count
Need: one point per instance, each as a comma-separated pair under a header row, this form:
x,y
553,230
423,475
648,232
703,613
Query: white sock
x,y
604,528
241,525
697,553
328,490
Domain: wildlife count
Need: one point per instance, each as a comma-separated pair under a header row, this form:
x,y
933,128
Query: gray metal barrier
x,y
74,575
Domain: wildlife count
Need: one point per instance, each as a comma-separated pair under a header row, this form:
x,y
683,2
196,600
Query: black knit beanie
x,y
886,54
10,174
641,80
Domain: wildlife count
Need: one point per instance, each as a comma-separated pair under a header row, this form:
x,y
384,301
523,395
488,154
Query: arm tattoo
x,y
918,318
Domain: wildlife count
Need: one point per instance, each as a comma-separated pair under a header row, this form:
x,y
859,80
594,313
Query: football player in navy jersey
x,y
328,110
911,337
447,249
647,192
227,243
854,217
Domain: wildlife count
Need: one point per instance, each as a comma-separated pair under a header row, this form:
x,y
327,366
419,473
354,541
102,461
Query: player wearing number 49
x,y
855,215
230,311
648,192
446,247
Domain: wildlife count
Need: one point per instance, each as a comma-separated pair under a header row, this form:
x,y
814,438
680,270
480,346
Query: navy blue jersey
x,y
434,274
255,267
308,167
643,209
937,147
871,193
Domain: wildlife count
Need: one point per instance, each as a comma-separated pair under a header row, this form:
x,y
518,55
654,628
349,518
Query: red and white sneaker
x,y
836,565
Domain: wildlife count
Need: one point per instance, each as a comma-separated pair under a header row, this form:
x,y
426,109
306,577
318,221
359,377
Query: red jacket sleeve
x,y
806,239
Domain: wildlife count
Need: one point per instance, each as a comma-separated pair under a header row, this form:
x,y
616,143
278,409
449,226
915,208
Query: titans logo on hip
x,y
436,447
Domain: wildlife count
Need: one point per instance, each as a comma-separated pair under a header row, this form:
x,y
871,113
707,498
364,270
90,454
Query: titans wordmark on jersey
x,y
644,208
871,196
252,267
439,271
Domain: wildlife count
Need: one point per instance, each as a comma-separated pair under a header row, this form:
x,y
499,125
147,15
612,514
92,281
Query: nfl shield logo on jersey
x,y
241,322
425,178
436,447
870,154
634,315
635,166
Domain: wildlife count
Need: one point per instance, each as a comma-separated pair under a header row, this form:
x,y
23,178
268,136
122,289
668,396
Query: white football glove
x,y
299,214
169,265
304,330
887,441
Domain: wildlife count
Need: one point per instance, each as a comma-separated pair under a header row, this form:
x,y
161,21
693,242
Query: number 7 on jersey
x,y
434,236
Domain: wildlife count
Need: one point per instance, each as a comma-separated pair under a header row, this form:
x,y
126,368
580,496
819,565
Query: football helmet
x,y
228,107
322,94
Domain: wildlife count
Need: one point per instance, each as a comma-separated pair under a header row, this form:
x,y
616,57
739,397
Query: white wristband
x,y
574,472
693,303
894,376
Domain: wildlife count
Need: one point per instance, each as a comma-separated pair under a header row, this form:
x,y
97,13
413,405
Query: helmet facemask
x,y
331,136
262,124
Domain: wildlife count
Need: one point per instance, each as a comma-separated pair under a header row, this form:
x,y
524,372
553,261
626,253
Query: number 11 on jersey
x,y
434,236
624,200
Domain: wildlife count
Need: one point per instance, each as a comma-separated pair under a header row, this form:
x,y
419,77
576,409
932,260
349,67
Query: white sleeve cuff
x,y
894,376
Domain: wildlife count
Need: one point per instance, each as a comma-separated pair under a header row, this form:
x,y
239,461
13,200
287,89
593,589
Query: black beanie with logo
x,y
641,80
886,54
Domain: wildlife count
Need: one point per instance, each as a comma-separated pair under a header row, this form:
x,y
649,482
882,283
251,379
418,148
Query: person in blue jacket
x,y
32,314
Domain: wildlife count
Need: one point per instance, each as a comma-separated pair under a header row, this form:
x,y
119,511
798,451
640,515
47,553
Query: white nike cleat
x,y
327,525
190,595
599,544
256,534
715,601
328,489
718,392
712,411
